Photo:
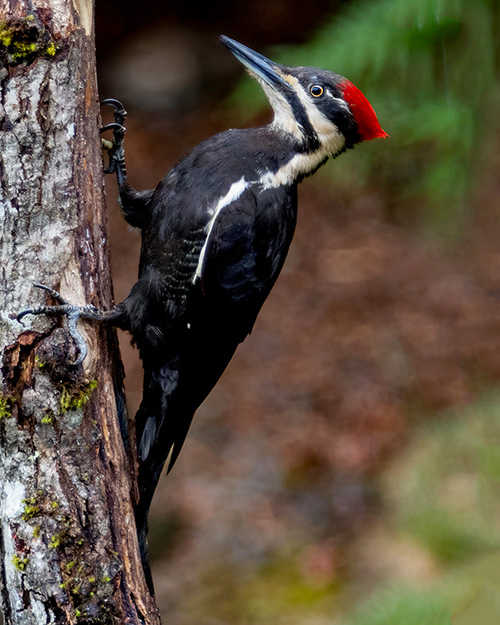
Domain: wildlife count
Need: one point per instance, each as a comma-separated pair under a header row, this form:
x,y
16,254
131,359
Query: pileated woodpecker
x,y
215,234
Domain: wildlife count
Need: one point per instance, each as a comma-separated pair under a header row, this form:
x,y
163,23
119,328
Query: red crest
x,y
368,124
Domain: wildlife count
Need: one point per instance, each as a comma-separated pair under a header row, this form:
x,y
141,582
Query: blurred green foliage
x,y
448,488
444,497
430,69
277,593
408,606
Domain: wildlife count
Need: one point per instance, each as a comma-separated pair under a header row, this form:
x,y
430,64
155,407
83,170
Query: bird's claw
x,y
71,311
116,127
120,112
52,292
115,148
46,310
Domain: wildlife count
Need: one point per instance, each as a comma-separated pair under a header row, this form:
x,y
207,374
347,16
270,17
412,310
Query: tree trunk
x,y
68,546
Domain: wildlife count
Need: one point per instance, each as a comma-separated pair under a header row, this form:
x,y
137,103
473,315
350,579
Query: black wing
x,y
245,252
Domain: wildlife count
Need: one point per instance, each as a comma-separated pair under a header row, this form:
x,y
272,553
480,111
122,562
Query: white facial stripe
x,y
283,114
236,189
342,103
327,131
284,119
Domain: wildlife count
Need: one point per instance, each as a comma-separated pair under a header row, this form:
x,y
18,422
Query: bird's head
x,y
324,111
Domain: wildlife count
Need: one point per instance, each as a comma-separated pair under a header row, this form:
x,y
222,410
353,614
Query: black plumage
x,y
188,327
189,324
215,235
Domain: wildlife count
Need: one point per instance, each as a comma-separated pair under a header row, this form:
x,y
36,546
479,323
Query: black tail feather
x,y
173,390
144,551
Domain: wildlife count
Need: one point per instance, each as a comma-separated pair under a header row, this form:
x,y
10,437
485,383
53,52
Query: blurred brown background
x,y
325,480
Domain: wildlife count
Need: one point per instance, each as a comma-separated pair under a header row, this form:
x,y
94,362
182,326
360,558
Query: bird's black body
x,y
188,325
215,235
244,253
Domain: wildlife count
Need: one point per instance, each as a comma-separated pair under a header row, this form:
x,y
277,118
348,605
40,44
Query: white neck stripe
x,y
299,165
284,119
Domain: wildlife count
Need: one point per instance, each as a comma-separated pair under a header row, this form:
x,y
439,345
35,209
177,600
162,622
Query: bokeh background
x,y
345,471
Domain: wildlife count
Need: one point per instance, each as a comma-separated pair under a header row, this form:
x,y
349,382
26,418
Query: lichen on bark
x,y
23,39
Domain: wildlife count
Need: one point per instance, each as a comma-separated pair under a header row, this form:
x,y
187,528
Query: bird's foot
x,y
72,312
115,148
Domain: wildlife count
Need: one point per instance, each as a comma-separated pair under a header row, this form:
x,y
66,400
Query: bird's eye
x,y
316,91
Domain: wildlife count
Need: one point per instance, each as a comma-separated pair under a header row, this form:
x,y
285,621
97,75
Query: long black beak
x,y
257,63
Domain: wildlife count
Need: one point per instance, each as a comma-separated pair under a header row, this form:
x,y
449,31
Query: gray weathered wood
x,y
68,547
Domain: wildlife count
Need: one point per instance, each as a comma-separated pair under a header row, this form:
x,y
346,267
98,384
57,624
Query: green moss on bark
x,y
75,400
5,411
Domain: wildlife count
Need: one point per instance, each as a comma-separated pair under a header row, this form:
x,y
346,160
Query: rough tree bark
x,y
68,547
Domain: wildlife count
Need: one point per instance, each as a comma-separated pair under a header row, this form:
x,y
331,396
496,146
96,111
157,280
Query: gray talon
x,y
55,294
72,312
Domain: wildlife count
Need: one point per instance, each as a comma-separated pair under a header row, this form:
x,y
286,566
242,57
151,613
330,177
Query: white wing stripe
x,y
235,191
